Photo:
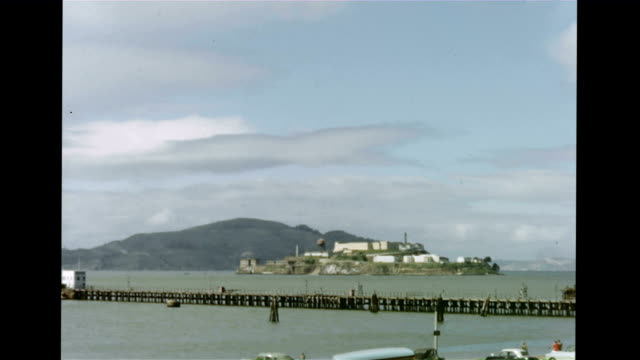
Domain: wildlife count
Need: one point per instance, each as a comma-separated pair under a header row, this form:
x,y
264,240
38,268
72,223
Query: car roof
x,y
275,355
375,354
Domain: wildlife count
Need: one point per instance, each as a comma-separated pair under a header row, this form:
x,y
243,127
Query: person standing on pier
x,y
524,346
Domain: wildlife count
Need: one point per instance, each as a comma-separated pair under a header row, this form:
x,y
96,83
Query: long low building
x,y
425,258
350,247
316,254
389,259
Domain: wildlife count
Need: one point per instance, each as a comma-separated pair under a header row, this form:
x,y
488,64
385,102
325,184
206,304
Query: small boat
x,y
173,303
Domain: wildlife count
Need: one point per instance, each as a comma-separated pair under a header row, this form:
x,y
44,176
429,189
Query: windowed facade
x,y
74,279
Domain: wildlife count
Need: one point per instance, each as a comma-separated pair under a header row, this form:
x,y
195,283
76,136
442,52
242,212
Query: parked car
x,y
273,356
569,354
395,353
509,354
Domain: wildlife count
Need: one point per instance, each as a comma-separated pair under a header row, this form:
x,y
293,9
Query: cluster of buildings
x,y
389,252
420,255
351,247
375,252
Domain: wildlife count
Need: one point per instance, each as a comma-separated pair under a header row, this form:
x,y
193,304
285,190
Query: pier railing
x,y
479,306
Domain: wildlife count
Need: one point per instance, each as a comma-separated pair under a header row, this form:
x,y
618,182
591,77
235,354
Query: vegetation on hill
x,y
215,246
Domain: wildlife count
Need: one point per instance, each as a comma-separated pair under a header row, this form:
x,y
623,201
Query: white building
x,y
380,245
74,279
384,259
425,258
316,254
462,260
349,247
410,247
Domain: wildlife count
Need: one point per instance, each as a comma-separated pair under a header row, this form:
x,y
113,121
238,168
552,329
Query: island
x,y
369,258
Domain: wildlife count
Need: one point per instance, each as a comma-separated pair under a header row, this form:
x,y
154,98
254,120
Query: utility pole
x,y
436,332
438,316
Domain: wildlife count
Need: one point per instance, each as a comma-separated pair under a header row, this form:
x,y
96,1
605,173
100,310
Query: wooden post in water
x,y
374,307
439,309
436,332
273,315
485,307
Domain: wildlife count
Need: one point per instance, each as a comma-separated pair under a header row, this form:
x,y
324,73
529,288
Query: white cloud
x,y
118,55
154,150
534,186
528,233
114,17
528,157
107,76
107,138
160,218
435,214
564,50
462,230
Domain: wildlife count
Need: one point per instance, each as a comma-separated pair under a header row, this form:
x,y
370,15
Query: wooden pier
x,y
507,307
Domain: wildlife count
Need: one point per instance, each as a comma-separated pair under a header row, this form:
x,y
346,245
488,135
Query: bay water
x,y
113,330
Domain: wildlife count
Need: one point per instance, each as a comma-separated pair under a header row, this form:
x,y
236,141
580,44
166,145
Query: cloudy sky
x,y
452,121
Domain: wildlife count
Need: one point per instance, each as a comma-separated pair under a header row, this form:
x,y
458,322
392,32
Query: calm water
x,y
102,330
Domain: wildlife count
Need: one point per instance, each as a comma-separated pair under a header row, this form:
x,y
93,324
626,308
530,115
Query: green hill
x,y
215,246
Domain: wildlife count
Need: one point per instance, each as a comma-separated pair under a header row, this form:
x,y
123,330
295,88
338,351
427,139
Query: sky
x,y
454,122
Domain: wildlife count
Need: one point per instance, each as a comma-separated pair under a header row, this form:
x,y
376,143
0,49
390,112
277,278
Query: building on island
x,y
350,247
323,254
74,279
389,259
249,264
410,247
469,260
425,258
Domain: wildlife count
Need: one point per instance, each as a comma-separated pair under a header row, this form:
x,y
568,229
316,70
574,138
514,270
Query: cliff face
x,y
345,268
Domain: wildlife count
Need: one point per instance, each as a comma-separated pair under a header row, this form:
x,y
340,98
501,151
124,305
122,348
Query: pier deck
x,y
508,307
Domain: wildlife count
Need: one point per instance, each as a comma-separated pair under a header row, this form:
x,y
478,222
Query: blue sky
x,y
452,121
